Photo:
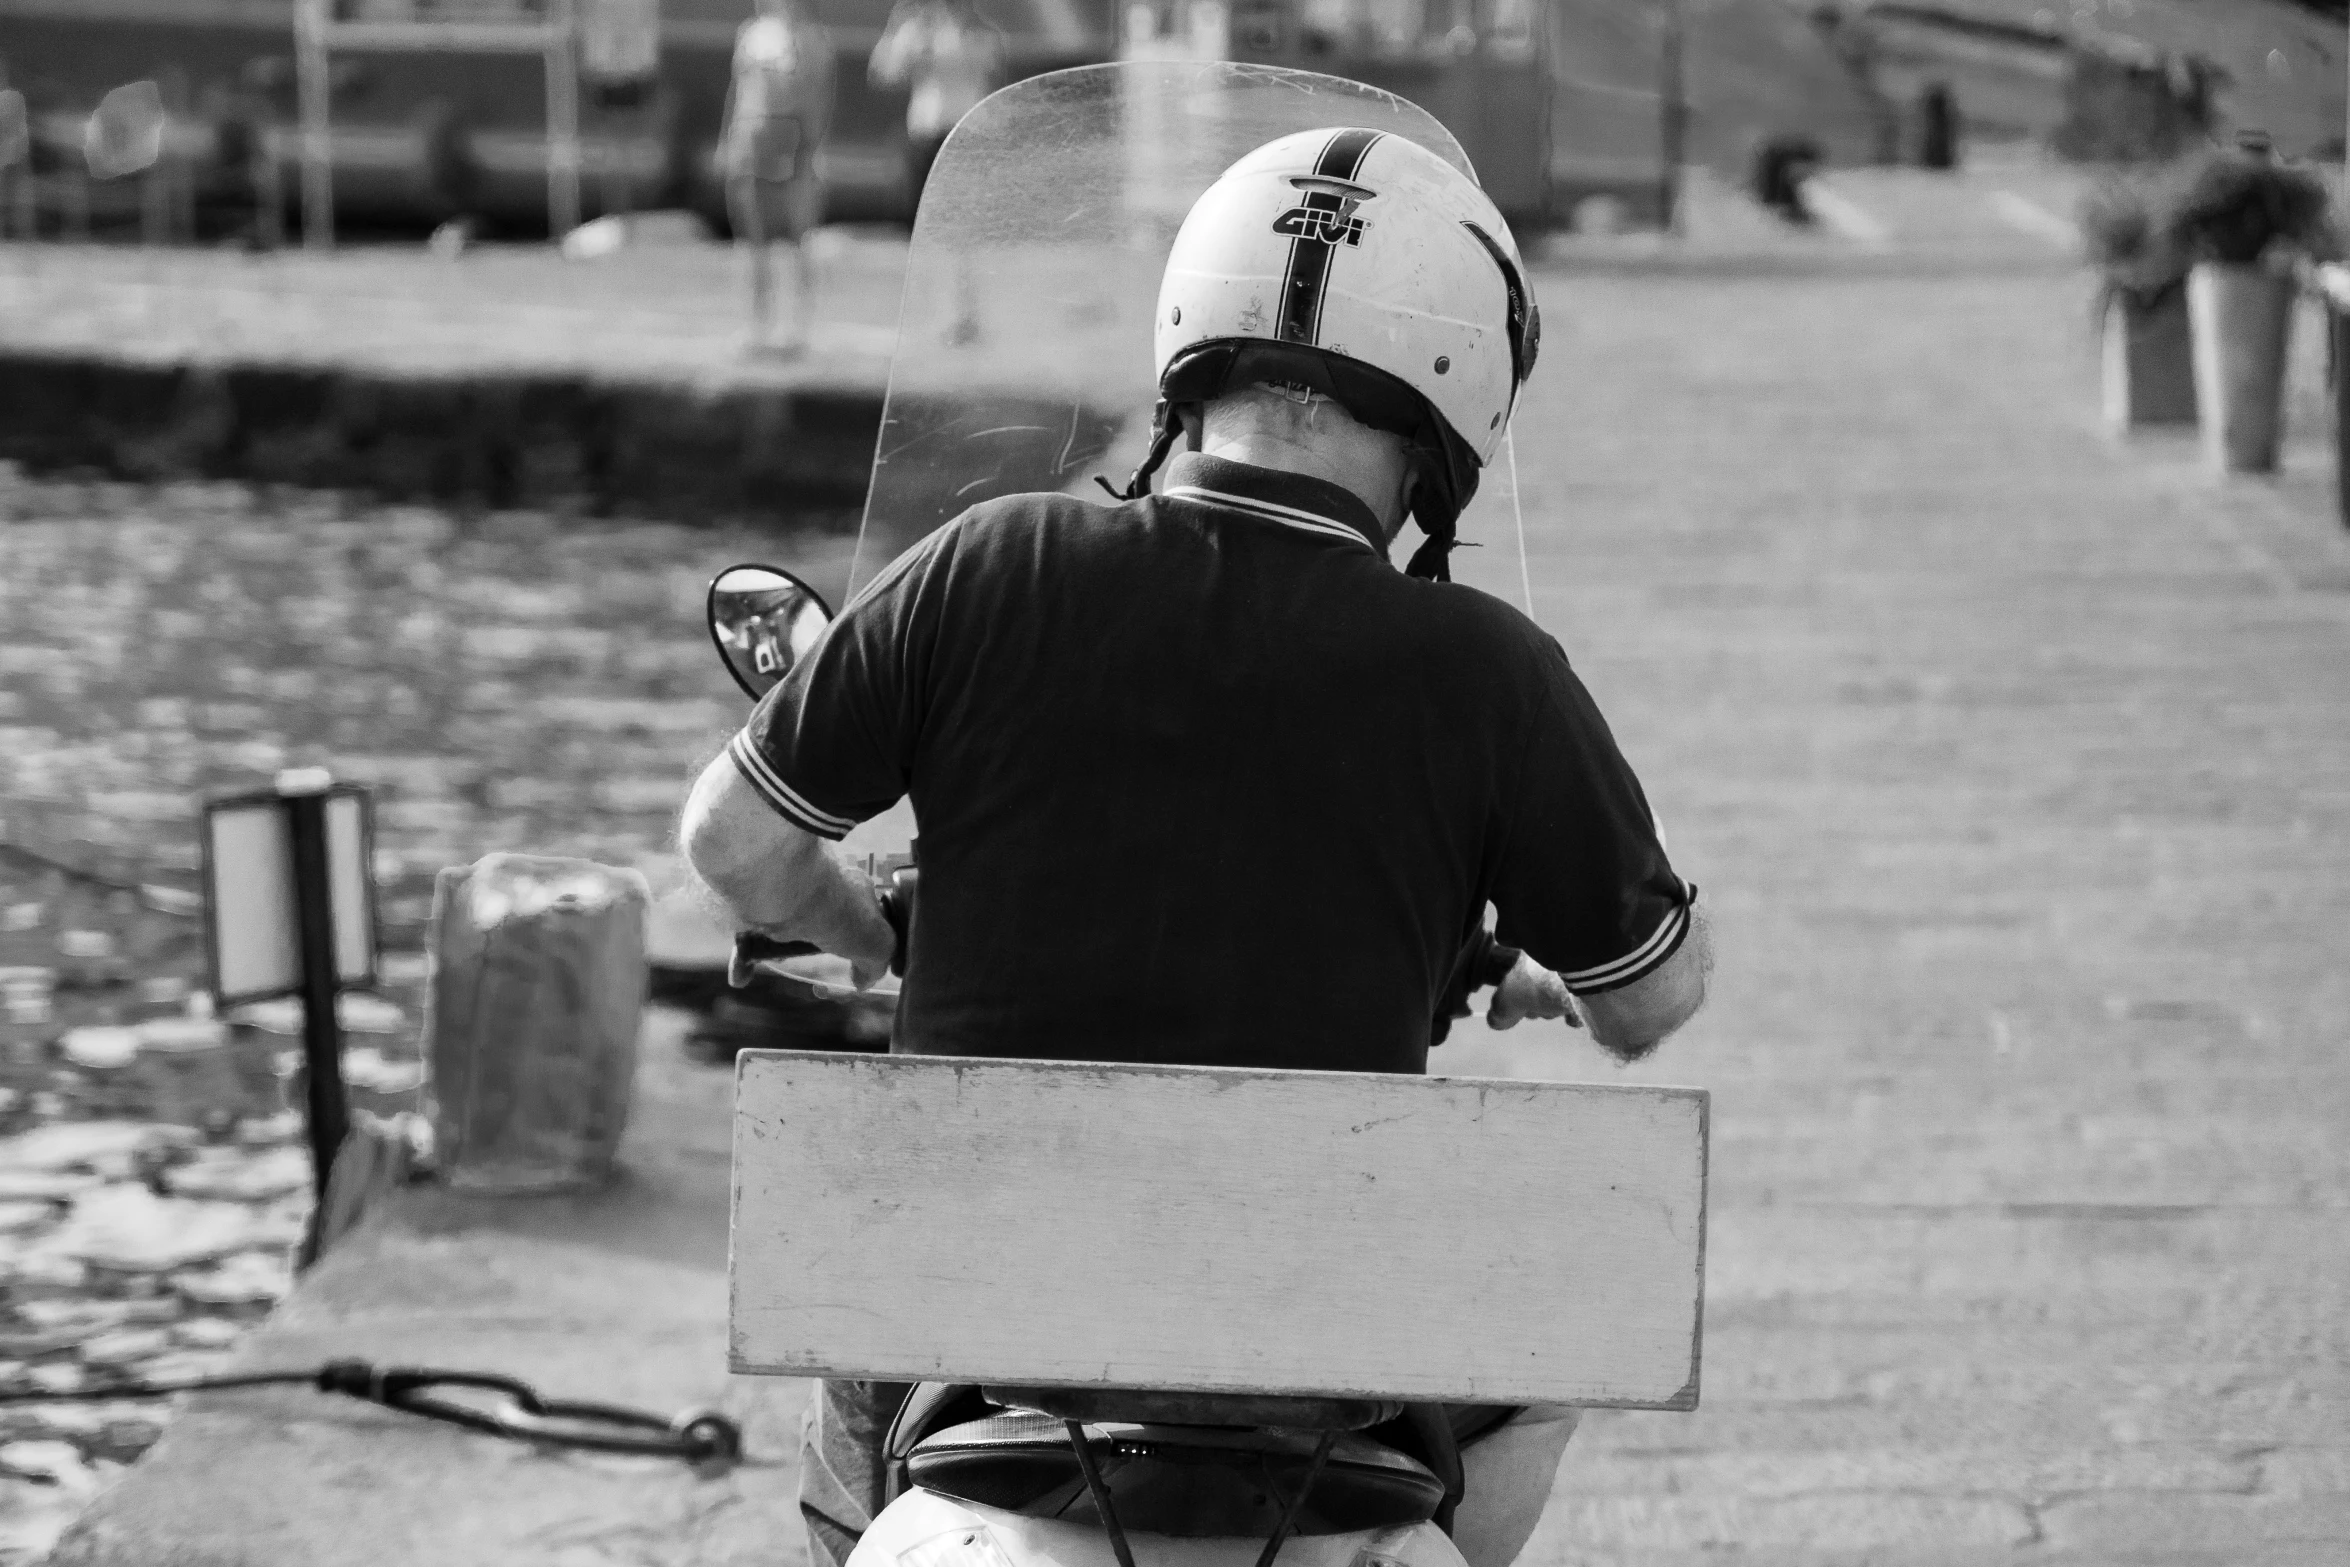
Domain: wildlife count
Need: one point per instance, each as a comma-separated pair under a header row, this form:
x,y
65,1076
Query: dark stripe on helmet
x,y
1307,277
1525,318
1343,158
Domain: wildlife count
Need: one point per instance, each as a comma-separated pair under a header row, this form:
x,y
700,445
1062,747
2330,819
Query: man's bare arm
x,y
776,878
1629,1022
1634,1019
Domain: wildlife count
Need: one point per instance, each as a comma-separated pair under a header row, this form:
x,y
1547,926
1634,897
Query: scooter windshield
x,y
1023,357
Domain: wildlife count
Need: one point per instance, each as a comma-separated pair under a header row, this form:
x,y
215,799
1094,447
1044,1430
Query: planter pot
x,y
2243,322
2149,362
2338,324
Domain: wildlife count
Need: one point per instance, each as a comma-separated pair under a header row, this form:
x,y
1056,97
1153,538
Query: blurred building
x,y
419,137
1559,101
1556,101
2111,81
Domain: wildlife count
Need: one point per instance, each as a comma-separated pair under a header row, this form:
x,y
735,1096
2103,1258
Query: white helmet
x,y
1363,266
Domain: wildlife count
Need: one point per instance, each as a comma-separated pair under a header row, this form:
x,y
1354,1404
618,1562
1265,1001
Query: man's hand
x,y
1530,990
868,948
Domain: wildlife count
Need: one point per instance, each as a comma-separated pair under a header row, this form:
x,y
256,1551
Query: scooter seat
x,y
1135,1406
1185,1481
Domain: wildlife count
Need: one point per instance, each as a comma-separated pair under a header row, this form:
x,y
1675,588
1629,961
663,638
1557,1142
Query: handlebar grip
x,y
897,907
751,947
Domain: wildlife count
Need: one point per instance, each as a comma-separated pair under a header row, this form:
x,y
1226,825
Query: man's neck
x,y
1370,482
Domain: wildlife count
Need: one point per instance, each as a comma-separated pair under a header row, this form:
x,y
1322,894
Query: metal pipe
x,y
563,158
312,85
1101,1493
314,913
1296,1504
1673,131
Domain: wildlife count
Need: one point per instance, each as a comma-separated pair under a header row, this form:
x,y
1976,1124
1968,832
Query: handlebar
x,y
752,948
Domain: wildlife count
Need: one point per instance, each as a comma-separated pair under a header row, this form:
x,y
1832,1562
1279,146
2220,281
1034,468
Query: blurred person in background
x,y
950,57
778,112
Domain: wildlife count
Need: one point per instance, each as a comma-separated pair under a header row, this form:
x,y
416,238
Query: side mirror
x,y
763,621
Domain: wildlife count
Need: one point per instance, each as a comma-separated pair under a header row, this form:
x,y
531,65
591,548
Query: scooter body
x,y
925,1529
992,1477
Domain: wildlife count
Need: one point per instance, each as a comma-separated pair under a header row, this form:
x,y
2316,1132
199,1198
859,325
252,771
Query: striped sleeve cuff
x,y
1642,960
789,802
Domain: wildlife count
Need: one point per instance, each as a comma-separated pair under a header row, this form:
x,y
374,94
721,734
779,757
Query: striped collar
x,y
1293,499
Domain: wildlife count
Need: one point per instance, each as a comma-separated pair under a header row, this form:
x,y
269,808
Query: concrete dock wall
x,y
548,439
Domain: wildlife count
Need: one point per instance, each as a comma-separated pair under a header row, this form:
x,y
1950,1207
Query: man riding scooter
x,y
1201,779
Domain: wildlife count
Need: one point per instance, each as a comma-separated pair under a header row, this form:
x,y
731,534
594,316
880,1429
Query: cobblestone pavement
x,y
499,685
2015,768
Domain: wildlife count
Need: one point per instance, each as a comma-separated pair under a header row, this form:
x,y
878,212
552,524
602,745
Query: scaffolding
x,y
547,28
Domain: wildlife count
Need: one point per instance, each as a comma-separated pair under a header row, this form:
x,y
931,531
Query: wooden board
x,y
911,1218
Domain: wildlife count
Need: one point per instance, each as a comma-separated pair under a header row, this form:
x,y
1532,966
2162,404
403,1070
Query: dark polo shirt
x,y
1203,779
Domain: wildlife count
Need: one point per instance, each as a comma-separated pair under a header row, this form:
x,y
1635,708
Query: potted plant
x,y
2244,219
2145,348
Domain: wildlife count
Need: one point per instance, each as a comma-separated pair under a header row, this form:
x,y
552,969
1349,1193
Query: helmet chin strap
x,y
1439,523
1138,483
1431,561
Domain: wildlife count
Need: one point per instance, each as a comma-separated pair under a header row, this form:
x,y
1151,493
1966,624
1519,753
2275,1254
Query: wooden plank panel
x,y
444,37
912,1217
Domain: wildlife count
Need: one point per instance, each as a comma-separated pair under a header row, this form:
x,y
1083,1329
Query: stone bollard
x,y
2148,360
2338,326
538,987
